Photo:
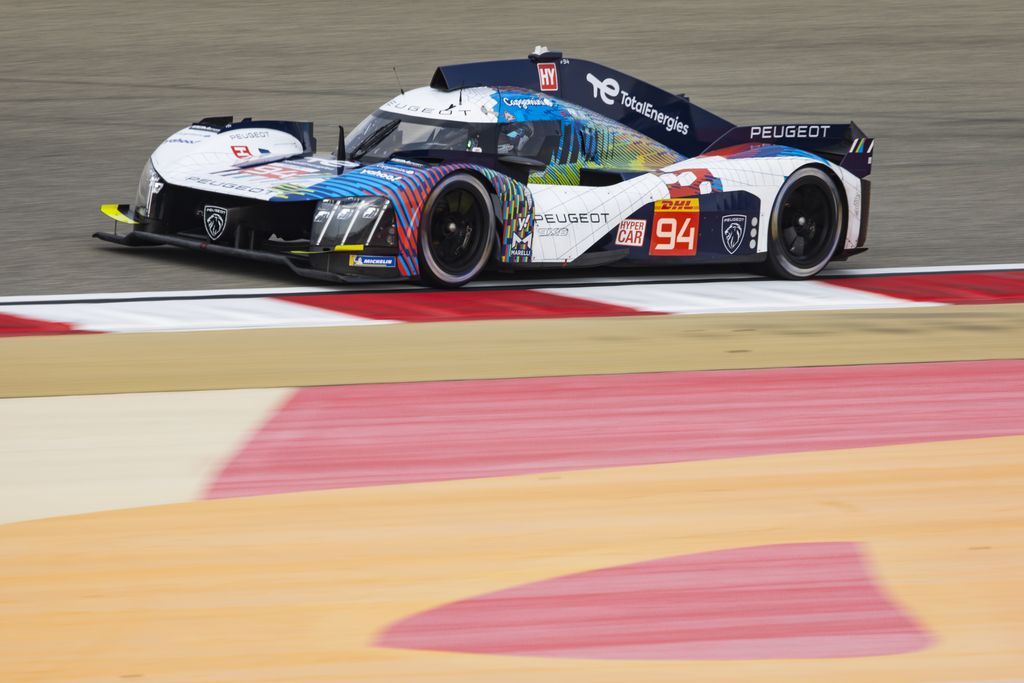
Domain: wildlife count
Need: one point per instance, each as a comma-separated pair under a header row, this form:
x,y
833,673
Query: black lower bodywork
x,y
297,264
254,229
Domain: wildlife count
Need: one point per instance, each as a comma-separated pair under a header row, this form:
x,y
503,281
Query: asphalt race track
x,y
89,89
670,477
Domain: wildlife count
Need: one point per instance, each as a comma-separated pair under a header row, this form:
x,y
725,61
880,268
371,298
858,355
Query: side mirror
x,y
519,168
525,162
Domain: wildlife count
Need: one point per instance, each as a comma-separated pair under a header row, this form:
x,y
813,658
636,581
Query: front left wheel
x,y
457,231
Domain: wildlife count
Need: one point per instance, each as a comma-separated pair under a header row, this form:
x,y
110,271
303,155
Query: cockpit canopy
x,y
383,135
562,138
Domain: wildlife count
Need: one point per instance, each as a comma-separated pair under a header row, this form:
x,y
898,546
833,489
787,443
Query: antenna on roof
x,y
460,92
541,53
400,88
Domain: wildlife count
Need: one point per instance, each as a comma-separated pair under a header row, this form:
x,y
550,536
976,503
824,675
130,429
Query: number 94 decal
x,y
676,223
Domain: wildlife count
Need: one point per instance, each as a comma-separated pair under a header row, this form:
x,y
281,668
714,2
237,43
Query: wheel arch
x,y
493,191
829,170
512,204
428,273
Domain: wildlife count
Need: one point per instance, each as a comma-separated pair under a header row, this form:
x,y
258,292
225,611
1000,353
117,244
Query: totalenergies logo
x,y
608,90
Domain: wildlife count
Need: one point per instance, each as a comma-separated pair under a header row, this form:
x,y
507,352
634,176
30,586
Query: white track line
x,y
621,277
924,269
174,294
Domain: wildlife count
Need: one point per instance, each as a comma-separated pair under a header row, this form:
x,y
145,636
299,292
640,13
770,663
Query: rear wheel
x,y
806,225
456,231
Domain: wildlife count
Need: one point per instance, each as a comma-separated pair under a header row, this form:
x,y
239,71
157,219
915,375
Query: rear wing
x,y
670,119
841,143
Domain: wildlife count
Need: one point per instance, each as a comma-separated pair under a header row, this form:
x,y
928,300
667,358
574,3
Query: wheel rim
x,y
455,230
807,223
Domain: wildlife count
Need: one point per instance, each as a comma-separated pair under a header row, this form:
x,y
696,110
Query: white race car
x,y
527,163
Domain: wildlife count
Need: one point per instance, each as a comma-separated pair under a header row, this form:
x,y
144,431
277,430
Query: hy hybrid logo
x,y
547,74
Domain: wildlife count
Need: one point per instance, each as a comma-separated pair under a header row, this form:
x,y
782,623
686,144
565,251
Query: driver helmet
x,y
515,137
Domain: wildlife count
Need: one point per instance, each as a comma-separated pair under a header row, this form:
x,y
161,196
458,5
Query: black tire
x,y
806,225
457,231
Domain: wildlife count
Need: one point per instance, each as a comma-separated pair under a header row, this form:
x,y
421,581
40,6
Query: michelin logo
x,y
608,90
371,261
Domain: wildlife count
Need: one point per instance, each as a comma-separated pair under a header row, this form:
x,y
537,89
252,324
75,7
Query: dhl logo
x,y
683,204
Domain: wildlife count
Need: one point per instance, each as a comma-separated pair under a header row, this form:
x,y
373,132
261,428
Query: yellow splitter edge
x,y
117,212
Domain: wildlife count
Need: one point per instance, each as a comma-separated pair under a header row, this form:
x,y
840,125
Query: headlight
x,y
149,185
353,220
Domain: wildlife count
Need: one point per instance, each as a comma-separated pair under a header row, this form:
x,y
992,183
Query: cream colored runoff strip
x,y
75,454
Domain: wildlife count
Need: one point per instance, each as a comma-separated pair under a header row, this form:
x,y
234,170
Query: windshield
x,y
382,135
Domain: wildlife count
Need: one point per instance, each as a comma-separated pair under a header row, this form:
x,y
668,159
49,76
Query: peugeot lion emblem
x,y
734,227
215,219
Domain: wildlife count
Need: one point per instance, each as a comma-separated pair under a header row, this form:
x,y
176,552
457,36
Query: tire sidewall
x,y
430,270
778,259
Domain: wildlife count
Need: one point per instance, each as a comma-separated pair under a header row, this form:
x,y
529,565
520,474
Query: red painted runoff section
x,y
367,435
802,600
17,326
947,288
462,305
